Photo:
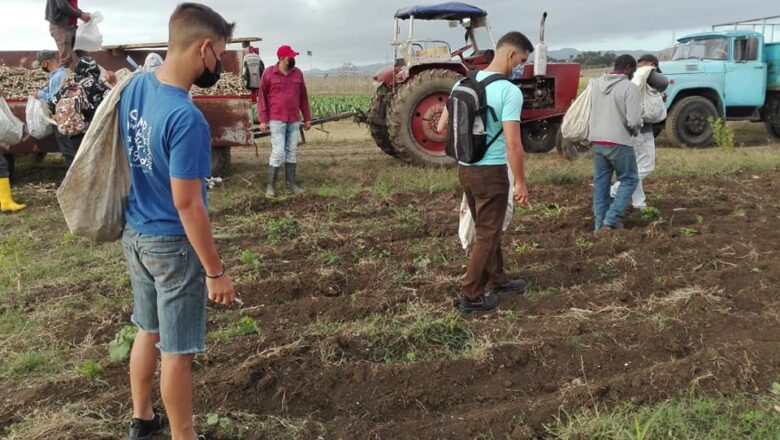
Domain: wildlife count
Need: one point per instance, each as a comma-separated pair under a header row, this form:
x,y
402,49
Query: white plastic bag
x,y
94,194
38,117
88,36
467,230
576,121
11,128
653,105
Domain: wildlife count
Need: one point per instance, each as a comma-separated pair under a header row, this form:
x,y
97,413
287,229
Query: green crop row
x,y
330,105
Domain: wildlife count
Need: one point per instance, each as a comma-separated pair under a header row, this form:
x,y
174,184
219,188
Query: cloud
x,y
360,31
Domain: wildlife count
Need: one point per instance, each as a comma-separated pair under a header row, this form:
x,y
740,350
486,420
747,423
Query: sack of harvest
x,y
576,121
11,128
94,194
39,122
88,36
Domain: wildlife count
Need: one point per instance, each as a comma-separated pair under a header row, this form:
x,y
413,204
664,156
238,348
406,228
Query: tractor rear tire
x,y
772,115
688,123
540,136
377,120
417,105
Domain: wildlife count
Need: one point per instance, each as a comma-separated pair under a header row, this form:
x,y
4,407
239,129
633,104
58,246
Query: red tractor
x,y
413,92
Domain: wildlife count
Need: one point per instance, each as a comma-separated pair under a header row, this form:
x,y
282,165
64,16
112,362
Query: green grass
x,y
34,363
282,229
415,333
692,416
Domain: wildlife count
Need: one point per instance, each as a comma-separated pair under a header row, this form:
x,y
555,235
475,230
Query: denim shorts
x,y
169,290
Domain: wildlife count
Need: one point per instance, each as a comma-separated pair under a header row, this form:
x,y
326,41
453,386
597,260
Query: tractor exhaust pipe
x,y
540,54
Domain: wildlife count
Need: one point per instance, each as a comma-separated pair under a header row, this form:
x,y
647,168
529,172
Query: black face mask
x,y
208,78
291,63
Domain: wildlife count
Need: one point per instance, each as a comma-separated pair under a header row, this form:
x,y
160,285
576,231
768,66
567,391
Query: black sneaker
x,y
513,286
484,303
146,429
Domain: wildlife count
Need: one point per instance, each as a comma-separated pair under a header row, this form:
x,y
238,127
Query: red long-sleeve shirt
x,y
283,97
73,21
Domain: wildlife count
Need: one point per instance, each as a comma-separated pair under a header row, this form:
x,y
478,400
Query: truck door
x,y
746,74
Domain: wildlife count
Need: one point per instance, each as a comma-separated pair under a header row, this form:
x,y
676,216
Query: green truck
x,y
732,72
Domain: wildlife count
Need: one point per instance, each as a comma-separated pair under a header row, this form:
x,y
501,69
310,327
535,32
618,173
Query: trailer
x,y
229,116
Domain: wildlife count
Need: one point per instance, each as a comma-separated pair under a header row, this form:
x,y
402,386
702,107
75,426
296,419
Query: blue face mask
x,y
517,72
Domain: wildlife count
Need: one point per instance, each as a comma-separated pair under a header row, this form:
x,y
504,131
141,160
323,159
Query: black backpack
x,y
468,111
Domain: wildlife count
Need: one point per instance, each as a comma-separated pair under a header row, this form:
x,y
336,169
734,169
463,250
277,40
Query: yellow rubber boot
x,y
7,203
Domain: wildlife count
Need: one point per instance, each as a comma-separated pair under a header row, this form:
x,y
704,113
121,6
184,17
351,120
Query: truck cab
x,y
729,73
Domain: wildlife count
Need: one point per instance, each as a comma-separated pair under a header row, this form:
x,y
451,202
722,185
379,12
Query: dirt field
x,y
348,329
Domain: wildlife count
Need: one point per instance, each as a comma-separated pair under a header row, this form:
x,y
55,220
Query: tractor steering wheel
x,y
459,52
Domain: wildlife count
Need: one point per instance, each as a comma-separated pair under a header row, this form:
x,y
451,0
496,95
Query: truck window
x,y
713,48
746,49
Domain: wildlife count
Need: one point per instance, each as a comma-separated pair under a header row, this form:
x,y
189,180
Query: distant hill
x,y
565,54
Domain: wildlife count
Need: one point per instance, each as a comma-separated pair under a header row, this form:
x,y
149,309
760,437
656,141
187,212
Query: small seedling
x,y
521,248
245,326
650,213
329,258
90,369
248,258
119,348
216,420
688,232
755,270
699,219
584,244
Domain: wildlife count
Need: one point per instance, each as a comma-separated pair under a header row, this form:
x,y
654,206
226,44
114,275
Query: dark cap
x,y
45,55
648,57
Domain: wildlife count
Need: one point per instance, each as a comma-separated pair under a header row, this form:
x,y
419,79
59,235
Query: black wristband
x,y
214,277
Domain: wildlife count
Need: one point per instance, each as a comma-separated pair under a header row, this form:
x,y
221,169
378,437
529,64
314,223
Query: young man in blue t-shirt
x,y
168,243
486,183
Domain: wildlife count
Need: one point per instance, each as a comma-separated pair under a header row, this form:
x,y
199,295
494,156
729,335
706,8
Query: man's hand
x,y
264,127
307,125
221,290
85,17
521,193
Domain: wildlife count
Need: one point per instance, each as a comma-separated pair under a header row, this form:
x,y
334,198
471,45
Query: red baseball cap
x,y
286,51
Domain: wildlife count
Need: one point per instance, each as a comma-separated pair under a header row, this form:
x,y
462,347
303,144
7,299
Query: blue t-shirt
x,y
165,136
506,99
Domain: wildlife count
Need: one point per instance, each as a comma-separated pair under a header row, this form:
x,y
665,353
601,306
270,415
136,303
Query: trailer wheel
x,y
220,161
772,115
688,122
377,120
415,109
540,136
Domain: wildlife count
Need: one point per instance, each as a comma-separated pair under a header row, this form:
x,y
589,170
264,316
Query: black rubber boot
x,y
273,174
290,170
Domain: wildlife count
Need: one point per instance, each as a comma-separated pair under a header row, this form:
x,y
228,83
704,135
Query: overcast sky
x,y
360,31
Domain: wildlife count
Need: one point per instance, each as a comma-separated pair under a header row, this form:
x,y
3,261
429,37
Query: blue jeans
x,y
169,290
284,142
620,160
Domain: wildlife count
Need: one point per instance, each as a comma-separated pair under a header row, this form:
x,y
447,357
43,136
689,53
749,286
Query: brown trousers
x,y
487,190
65,38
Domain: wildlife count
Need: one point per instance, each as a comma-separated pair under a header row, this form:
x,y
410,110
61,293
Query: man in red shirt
x,y
63,16
282,98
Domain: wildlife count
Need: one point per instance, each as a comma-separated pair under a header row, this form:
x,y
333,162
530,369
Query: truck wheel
x,y
415,108
377,120
688,122
220,161
540,136
772,115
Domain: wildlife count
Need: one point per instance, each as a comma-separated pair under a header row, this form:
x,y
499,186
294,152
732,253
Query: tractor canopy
x,y
444,11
